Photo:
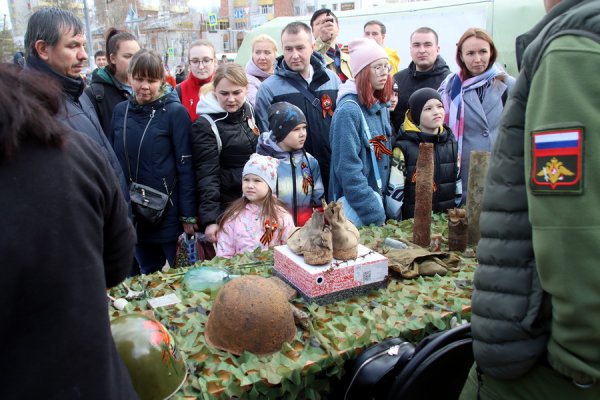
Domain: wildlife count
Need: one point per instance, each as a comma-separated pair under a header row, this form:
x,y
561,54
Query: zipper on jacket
x,y
167,190
294,205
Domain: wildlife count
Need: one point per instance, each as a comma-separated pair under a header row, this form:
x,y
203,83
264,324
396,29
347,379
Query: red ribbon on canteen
x,y
379,146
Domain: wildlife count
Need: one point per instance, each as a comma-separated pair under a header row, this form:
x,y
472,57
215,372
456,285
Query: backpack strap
x,y
315,102
98,92
178,90
213,126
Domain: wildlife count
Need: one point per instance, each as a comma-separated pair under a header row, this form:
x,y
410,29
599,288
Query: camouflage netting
x,y
310,366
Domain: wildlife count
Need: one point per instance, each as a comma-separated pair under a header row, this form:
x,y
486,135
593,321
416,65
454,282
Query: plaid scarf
x,y
453,90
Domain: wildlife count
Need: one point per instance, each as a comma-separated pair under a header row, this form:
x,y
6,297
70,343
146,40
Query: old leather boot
x,y
313,240
344,234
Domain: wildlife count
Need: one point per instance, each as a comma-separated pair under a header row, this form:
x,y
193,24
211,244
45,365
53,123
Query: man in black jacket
x,y
427,69
55,42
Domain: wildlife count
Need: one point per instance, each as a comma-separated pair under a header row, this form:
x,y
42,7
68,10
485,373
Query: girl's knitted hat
x,y
263,166
363,52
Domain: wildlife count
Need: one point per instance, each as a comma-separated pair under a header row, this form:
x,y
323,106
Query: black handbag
x,y
148,204
373,371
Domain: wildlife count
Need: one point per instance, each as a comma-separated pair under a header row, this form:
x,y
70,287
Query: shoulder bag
x,y
148,204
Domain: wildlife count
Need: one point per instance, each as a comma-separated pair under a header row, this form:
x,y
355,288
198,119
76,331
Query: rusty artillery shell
x,y
423,195
457,229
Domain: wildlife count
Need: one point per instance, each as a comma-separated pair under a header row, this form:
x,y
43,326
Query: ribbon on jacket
x,y
267,237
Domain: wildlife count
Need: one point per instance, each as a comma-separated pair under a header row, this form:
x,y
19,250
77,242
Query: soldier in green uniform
x,y
536,304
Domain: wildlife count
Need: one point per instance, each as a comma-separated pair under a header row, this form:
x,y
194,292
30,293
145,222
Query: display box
x,y
334,281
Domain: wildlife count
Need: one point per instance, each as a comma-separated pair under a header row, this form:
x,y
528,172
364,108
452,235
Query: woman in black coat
x,y
221,153
110,85
152,141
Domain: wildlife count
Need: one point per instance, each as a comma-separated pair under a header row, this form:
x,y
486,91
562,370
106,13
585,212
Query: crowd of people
x,y
357,128
243,154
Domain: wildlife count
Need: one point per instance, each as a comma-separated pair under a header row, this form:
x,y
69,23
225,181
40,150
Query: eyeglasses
x,y
204,61
382,69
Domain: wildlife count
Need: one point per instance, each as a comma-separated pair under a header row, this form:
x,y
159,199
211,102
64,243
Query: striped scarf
x,y
453,90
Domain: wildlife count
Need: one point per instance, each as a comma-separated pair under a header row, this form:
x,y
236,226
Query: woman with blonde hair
x,y
223,138
474,98
261,65
203,62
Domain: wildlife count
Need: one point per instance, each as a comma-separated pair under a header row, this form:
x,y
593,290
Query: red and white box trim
x,y
313,281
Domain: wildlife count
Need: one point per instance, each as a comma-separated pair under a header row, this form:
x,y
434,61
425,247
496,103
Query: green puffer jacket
x,y
537,288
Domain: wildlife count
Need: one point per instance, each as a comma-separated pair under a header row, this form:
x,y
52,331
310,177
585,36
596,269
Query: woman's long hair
x,y
479,34
366,94
271,210
29,104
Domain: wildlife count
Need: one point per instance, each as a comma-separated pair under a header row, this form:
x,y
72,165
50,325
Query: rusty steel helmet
x,y
252,314
150,355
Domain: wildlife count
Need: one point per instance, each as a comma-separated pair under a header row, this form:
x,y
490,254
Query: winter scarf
x,y
452,91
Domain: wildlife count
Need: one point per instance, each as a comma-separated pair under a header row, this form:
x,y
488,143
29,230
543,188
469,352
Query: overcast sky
x,y
204,5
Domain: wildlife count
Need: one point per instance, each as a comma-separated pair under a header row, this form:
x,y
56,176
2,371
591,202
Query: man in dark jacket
x,y
65,238
55,42
302,79
427,69
536,318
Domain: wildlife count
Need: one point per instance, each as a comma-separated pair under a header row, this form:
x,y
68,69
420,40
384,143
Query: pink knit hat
x,y
363,52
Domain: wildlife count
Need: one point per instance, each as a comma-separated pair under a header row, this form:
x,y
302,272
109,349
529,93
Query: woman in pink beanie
x,y
360,135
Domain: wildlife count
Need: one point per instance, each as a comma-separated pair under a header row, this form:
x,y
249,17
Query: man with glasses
x,y
301,78
202,60
427,69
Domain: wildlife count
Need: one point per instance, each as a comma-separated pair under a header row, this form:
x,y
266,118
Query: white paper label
x,y
163,301
369,273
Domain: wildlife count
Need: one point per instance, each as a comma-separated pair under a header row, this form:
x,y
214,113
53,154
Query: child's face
x,y
295,139
432,116
254,188
393,101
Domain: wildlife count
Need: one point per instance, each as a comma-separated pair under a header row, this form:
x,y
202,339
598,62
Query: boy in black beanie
x,y
424,124
299,184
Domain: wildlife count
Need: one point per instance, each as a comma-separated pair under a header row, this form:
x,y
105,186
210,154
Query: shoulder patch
x,y
557,161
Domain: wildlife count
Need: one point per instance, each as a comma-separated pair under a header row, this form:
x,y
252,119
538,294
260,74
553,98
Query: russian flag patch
x,y
557,161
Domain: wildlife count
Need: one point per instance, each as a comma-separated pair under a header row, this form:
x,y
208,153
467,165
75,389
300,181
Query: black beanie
x,y
283,118
417,101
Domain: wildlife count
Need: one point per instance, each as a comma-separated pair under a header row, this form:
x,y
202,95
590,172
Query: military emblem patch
x,y
557,161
